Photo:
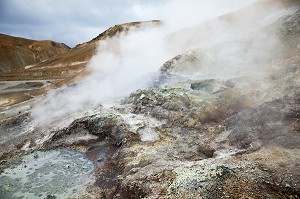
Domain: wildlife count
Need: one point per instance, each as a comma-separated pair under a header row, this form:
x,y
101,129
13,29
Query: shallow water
x,y
60,173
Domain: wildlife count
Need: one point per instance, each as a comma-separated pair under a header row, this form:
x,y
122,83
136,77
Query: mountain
x,y
56,71
69,63
17,53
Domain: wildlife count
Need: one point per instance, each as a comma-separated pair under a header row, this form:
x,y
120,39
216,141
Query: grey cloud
x,y
68,21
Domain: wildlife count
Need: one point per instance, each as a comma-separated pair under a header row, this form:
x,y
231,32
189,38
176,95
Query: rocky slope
x,y
201,130
17,53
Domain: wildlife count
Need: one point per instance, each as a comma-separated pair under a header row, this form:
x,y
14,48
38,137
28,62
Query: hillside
x,y
72,62
54,72
17,53
82,53
240,24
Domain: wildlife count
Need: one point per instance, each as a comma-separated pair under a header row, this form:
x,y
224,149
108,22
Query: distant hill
x,y
37,76
16,52
62,65
81,53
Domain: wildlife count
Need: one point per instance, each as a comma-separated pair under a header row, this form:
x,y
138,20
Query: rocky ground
x,y
188,136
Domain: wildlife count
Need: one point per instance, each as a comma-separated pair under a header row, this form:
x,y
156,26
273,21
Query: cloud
x,y
75,21
68,21
180,14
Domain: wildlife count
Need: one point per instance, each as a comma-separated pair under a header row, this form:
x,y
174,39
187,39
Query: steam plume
x,y
128,62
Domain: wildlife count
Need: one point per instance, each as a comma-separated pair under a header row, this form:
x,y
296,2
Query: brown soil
x,y
9,99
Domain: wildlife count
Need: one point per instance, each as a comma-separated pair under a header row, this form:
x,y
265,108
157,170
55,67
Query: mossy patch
x,y
196,180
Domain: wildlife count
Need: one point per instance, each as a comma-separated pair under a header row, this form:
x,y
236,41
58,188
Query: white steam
x,y
128,62
179,14
122,65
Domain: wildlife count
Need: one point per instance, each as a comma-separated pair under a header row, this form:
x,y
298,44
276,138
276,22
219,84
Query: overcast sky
x,y
68,21
77,21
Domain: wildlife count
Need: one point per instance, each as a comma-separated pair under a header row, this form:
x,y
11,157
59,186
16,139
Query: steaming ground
x,y
131,60
121,66
210,111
